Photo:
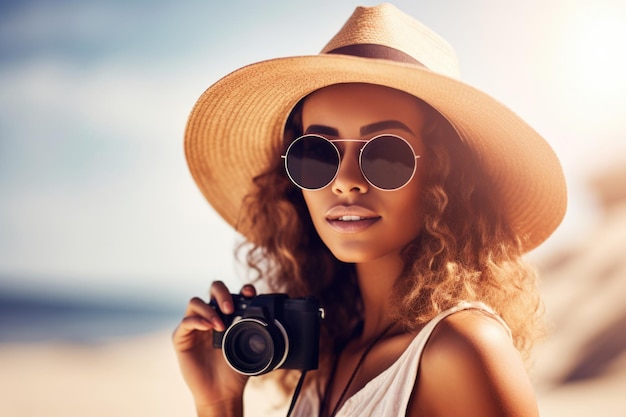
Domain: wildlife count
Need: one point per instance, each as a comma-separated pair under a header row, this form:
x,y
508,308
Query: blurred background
x,y
104,236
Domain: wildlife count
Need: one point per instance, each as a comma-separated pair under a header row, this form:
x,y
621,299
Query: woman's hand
x,y
217,389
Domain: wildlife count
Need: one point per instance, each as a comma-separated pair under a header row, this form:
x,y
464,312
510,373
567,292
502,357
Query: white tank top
x,y
388,394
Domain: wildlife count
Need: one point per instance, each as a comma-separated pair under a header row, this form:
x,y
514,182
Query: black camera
x,y
270,331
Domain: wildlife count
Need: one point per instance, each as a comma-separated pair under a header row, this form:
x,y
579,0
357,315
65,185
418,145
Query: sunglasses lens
x,y
388,162
312,162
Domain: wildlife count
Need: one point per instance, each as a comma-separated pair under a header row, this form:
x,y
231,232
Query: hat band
x,y
371,50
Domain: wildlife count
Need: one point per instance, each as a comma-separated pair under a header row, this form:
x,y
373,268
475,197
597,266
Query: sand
x,y
134,377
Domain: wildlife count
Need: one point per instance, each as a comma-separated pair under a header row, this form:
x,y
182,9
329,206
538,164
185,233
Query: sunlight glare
x,y
591,66
600,62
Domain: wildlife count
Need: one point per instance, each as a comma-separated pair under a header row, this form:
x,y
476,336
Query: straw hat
x,y
235,130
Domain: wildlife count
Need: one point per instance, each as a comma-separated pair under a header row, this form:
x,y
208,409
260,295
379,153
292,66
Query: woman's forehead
x,y
359,110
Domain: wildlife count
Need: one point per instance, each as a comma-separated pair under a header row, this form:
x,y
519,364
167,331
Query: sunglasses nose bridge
x,y
349,175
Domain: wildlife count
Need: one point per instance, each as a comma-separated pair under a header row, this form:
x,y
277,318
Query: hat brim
x,y
235,132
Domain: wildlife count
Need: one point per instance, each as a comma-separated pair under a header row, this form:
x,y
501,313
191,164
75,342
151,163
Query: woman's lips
x,y
351,219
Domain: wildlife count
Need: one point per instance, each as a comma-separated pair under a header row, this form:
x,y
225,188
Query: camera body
x,y
270,331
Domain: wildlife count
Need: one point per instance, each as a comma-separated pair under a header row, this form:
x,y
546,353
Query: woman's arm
x,y
471,368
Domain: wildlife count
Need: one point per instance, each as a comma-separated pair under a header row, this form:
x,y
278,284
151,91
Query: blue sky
x,y
95,195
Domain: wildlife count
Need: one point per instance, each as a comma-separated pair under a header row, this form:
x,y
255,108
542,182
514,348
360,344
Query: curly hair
x,y
466,250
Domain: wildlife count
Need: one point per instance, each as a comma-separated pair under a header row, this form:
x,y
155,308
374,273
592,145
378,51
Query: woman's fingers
x,y
199,316
196,323
197,306
219,292
222,296
248,290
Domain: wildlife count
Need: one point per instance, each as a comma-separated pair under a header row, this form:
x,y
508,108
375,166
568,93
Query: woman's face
x,y
358,222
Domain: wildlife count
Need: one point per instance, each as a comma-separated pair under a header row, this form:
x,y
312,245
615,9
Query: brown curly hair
x,y
466,250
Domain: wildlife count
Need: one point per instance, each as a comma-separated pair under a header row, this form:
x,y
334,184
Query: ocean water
x,y
28,318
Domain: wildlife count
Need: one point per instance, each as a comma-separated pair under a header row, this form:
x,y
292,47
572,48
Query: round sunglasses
x,y
387,162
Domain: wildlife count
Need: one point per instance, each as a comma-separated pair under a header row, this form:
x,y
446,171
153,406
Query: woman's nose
x,y
349,176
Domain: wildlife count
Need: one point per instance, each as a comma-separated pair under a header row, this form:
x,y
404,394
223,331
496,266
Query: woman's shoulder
x,y
470,367
468,332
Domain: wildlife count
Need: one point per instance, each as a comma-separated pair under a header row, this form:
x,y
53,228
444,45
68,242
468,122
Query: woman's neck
x,y
376,283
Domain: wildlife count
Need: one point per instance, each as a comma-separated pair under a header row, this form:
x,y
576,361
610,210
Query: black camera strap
x,y
296,393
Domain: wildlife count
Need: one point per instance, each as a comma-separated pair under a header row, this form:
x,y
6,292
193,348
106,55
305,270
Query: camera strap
x,y
296,393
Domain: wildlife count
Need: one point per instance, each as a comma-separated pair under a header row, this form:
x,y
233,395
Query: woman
x,y
403,202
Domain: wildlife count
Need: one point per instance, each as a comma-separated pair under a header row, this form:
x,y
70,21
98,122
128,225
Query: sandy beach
x,y
133,377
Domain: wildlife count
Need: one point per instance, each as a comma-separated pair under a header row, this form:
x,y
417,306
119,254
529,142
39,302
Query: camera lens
x,y
253,347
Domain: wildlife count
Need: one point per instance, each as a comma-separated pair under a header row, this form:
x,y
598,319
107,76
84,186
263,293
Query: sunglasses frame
x,y
366,142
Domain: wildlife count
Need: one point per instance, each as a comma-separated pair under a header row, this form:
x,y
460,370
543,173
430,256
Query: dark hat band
x,y
370,50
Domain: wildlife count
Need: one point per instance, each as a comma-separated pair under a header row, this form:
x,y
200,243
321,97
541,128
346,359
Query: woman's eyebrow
x,y
384,125
365,130
322,130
